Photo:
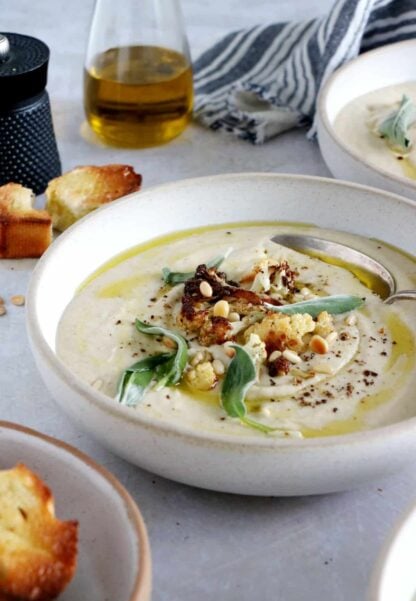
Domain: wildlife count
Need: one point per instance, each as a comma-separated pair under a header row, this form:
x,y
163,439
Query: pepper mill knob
x,y
28,150
4,48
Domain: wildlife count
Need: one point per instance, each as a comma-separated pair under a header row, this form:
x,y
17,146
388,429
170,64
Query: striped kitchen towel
x,y
260,82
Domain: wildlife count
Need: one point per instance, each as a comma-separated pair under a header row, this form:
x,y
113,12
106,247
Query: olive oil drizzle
x,y
401,357
403,350
154,243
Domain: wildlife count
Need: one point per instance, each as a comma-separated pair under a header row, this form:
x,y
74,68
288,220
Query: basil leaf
x,y
136,379
395,126
177,277
339,303
170,372
241,374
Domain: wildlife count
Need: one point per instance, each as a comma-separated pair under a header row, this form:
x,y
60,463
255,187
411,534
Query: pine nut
x,y
197,358
319,345
221,308
332,337
233,316
291,356
18,300
218,367
229,351
275,355
305,291
351,320
2,310
304,375
205,289
169,342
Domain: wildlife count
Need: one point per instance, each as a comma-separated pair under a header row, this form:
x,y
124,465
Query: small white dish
x,y
388,65
246,465
113,549
394,576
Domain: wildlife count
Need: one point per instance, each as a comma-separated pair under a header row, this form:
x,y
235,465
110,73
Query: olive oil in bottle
x,y
138,96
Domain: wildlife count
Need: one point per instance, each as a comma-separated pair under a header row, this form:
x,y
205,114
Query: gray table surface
x,y
205,545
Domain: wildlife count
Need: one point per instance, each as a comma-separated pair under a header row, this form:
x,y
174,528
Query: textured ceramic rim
x,y
142,583
322,101
104,403
388,548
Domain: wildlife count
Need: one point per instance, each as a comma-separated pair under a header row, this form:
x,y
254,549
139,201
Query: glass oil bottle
x,y
138,78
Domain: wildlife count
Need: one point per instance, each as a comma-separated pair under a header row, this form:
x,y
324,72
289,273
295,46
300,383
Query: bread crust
x,y
77,192
37,551
24,231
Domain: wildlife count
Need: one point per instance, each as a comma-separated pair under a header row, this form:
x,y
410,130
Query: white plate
x,y
388,65
262,466
114,555
394,577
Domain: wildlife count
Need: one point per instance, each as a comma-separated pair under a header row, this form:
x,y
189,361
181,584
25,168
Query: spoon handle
x,y
401,295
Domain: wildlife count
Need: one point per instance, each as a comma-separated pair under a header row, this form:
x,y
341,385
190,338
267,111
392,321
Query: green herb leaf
x,y
177,277
395,126
241,374
339,303
169,372
136,379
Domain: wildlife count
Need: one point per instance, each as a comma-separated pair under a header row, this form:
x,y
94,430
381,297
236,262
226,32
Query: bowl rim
x,y
106,404
388,548
330,130
142,582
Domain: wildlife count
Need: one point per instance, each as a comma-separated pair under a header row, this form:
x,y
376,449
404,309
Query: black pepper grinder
x,y
28,151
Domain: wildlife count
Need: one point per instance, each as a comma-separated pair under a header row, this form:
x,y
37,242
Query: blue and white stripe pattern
x,y
259,82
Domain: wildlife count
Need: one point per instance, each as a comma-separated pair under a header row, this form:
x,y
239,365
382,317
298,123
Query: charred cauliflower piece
x,y
280,331
201,377
256,348
324,324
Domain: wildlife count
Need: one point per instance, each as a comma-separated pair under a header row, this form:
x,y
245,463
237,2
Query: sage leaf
x,y
395,126
170,372
339,303
241,374
136,379
177,277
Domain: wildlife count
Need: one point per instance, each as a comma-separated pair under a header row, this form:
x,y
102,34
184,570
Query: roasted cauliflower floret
x,y
280,331
324,324
261,281
215,330
256,348
269,276
201,377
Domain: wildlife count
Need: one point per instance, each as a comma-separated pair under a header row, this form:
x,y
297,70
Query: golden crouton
x,y
24,231
281,331
76,193
37,551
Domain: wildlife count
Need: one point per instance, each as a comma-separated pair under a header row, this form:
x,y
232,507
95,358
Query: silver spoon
x,y
350,256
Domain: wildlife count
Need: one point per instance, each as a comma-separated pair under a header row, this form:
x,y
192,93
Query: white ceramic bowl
x,y
388,65
114,555
394,577
262,466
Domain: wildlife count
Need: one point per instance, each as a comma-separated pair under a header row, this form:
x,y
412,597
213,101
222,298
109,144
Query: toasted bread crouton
x,y
24,231
37,551
76,193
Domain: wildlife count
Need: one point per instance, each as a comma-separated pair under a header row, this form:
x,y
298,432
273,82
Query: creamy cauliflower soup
x,y
380,127
220,329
